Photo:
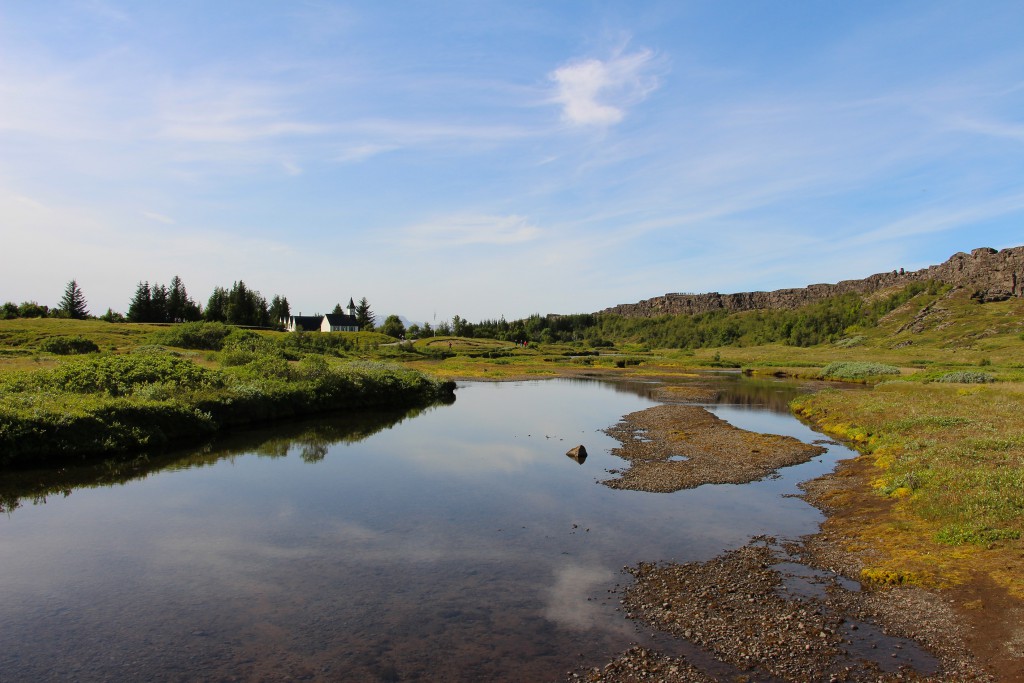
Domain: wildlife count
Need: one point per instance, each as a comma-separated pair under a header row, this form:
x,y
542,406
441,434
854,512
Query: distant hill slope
x,y
992,275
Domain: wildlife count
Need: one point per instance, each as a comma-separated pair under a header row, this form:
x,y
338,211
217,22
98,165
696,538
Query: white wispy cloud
x,y
158,217
362,152
464,230
596,92
105,10
996,129
958,213
222,110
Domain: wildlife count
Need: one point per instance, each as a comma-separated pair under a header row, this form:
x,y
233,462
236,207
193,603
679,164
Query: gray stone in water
x,y
579,453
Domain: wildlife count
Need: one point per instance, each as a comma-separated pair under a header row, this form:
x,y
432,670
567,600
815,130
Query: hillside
x,y
990,275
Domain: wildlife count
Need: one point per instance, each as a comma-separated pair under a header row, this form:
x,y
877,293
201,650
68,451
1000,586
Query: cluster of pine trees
x,y
239,305
171,303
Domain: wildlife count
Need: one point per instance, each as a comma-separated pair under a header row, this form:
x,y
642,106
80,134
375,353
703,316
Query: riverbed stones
x,y
737,608
673,447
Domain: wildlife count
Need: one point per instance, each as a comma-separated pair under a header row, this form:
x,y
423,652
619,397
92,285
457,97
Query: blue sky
x,y
501,158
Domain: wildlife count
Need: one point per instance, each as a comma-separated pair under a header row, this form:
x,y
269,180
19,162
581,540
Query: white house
x,y
332,322
339,322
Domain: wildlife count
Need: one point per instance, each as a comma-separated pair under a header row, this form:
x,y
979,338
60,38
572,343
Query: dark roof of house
x,y
341,320
307,322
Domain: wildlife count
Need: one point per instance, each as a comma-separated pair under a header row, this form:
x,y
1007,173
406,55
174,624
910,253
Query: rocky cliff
x,y
992,275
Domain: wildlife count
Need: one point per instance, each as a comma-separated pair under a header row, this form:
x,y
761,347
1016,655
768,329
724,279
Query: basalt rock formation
x,y
991,276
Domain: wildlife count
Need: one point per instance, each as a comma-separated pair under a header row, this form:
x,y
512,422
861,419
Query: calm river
x,y
458,544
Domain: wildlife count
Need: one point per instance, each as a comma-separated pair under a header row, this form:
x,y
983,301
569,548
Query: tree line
x,y
171,303
825,321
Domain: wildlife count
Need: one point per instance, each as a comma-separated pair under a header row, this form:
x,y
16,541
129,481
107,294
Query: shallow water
x,y
458,544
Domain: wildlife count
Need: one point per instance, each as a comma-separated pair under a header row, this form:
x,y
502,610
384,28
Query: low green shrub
x,y
849,342
316,342
967,377
975,534
120,375
67,346
853,370
247,340
198,335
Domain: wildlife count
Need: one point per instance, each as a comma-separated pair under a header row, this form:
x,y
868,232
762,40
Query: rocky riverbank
x,y
785,611
772,618
673,447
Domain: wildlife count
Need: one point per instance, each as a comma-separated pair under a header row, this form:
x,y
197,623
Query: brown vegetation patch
x,y
675,447
686,393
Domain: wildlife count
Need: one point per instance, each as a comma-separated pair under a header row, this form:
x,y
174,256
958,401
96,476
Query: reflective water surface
x,y
456,544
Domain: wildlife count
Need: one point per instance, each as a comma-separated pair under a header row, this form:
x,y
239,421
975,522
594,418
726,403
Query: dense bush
x,y
66,346
194,335
120,375
966,377
317,342
857,370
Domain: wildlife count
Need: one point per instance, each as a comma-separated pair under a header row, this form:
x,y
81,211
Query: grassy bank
x,y
309,440
949,457
109,403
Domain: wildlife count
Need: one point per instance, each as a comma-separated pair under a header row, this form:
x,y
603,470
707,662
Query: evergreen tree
x,y
279,309
261,311
139,310
73,305
338,310
217,306
364,316
158,306
461,327
239,306
180,308
241,310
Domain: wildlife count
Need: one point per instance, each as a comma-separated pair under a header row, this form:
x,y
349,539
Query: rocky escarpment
x,y
992,275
